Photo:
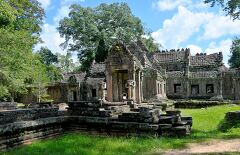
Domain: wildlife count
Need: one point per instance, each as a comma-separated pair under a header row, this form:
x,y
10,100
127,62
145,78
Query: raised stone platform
x,y
27,125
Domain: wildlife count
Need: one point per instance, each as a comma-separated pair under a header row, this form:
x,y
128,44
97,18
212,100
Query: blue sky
x,y
173,23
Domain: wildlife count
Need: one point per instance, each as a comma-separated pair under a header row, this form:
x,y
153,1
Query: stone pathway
x,y
214,146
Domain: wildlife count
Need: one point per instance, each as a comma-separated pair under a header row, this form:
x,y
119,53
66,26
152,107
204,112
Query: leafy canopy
x,y
92,31
234,60
47,56
231,7
20,24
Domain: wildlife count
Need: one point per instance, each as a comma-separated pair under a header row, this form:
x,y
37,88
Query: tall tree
x,y
150,44
84,28
65,62
47,56
20,25
234,60
231,7
101,52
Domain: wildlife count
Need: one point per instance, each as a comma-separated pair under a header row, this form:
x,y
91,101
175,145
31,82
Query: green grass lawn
x,y
206,124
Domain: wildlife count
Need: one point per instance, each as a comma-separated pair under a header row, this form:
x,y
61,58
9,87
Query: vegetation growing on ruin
x,y
205,126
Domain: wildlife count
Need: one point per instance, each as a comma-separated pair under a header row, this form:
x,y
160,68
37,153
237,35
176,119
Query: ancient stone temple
x,y
132,73
199,76
127,74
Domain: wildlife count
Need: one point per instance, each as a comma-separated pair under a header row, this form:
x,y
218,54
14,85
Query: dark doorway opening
x,y
74,96
177,88
94,93
195,89
209,88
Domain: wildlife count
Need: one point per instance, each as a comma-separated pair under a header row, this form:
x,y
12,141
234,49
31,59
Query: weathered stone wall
x,y
231,85
8,105
185,90
24,126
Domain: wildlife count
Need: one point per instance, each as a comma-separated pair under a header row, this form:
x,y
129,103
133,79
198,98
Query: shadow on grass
x,y
225,125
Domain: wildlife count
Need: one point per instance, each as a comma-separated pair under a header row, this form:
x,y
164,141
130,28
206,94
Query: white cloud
x,y
195,49
180,27
45,3
61,13
219,26
50,35
167,5
51,39
185,23
224,47
67,2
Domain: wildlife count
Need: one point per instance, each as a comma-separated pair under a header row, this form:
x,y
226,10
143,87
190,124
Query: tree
x,y
101,52
150,44
50,61
85,29
20,23
231,7
65,63
38,79
47,56
234,60
15,64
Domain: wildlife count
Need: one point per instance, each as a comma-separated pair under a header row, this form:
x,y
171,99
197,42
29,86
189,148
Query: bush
x,y
193,104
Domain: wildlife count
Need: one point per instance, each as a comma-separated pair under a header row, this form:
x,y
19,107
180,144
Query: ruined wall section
x,y
231,84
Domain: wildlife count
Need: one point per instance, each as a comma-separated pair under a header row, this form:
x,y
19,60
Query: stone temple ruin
x,y
132,73
126,95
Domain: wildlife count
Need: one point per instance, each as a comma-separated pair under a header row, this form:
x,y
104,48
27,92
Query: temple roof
x,y
206,60
204,74
79,77
175,74
139,50
170,56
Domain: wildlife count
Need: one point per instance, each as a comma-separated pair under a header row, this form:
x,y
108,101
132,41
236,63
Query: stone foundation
x,y
24,126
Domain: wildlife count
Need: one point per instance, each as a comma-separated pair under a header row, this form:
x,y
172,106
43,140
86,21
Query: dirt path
x,y
214,146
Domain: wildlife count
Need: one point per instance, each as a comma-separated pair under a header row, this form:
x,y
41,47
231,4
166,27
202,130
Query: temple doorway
x,y
120,78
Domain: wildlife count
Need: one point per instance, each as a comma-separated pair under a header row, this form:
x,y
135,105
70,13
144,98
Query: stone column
x,y
109,86
138,84
101,94
131,86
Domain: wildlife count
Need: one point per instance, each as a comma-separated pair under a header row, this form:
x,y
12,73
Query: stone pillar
x,y
109,86
220,86
131,85
132,81
101,94
141,82
234,88
138,87
187,87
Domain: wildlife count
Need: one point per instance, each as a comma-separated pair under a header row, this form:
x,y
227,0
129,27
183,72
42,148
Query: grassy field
x,y
206,123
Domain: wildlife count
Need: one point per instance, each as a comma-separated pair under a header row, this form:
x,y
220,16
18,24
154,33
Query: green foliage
x,y
234,60
15,64
20,23
231,7
38,78
47,56
86,27
50,60
7,13
22,15
101,53
150,44
205,127
65,63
